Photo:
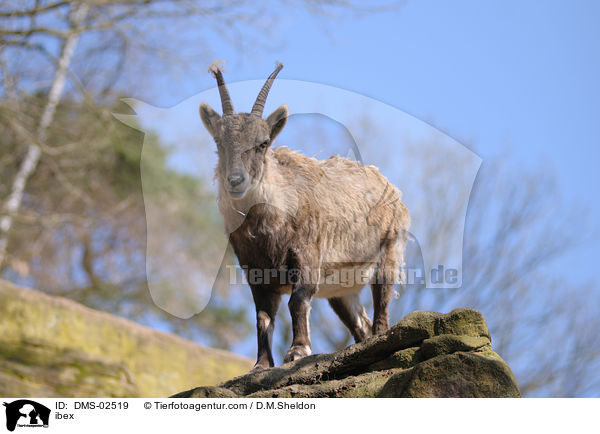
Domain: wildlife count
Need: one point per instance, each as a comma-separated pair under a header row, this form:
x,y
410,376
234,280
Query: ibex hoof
x,y
379,328
262,363
297,352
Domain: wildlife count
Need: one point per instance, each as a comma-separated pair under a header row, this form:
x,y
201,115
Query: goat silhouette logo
x,y
26,413
193,264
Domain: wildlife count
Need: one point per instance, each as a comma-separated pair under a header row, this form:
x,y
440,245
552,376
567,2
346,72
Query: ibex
x,y
285,211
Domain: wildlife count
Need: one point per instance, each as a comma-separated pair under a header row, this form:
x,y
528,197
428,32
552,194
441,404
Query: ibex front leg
x,y
267,303
300,310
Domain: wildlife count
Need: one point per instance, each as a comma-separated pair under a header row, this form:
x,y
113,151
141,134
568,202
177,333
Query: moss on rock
x,y
51,346
426,354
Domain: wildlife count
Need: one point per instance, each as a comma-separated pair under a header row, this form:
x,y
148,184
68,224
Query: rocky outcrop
x,y
426,354
53,347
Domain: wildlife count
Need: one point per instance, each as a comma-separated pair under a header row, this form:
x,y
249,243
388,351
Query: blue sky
x,y
507,78
512,79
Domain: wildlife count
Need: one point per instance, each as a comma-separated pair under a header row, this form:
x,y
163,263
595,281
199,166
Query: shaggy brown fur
x,y
299,224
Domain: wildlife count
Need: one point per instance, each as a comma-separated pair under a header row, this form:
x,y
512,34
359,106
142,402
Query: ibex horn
x,y
259,105
216,70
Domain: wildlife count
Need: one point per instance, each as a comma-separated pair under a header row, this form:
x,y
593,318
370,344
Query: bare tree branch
x,y
34,11
28,165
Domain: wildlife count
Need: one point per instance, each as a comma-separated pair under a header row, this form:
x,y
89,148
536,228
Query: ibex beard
x,y
286,211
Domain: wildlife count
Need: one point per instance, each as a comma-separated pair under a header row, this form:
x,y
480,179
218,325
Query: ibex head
x,y
242,139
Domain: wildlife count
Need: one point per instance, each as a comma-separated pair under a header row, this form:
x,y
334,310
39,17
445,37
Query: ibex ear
x,y
209,118
277,120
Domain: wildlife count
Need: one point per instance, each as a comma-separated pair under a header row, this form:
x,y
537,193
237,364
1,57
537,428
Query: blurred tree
x,y
517,227
38,41
81,232
71,211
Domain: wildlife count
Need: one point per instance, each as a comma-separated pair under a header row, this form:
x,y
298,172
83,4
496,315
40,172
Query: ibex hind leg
x,y
352,313
382,287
